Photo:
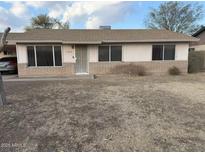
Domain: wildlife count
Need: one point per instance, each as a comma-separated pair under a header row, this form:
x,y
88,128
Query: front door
x,y
81,59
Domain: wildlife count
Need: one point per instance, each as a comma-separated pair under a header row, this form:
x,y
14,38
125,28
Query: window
x,y
110,53
31,56
157,52
163,52
103,53
57,54
44,55
116,53
169,52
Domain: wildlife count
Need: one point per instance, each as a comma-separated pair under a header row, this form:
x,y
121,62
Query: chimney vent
x,y
105,27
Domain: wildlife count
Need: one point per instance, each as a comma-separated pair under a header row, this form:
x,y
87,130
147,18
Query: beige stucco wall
x,y
68,54
137,52
140,53
21,52
130,52
198,47
93,53
181,52
68,60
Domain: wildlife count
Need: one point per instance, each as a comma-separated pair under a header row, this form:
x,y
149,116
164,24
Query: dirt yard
x,y
107,114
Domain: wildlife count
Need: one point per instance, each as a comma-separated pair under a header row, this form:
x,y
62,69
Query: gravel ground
x,y
111,113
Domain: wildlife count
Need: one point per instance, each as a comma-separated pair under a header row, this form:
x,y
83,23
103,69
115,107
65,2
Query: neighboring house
x,y
199,45
49,52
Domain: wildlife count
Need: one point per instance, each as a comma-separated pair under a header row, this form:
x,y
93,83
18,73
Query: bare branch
x,y
175,16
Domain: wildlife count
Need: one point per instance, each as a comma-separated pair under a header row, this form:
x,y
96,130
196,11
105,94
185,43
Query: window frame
x,y
108,53
60,53
53,53
109,46
163,46
28,56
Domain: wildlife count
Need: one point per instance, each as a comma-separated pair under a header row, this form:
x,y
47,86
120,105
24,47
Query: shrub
x,y
130,69
174,71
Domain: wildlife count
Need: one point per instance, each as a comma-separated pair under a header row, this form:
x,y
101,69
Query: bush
x,y
130,69
174,71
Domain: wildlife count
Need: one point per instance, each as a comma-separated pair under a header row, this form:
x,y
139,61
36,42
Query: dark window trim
x,y
109,45
163,52
35,57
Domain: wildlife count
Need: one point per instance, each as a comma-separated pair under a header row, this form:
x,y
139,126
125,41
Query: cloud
x,y
19,9
90,14
36,4
95,14
8,19
55,9
109,15
80,10
93,22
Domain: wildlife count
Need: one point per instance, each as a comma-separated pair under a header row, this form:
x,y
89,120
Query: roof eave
x,y
148,41
104,41
82,42
38,41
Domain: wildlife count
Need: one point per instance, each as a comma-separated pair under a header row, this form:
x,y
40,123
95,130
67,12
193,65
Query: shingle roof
x,y
99,36
12,37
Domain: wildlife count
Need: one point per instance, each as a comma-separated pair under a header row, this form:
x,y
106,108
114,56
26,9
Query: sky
x,y
81,15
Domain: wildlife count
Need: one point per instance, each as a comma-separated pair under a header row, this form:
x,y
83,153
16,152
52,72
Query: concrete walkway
x,y
15,78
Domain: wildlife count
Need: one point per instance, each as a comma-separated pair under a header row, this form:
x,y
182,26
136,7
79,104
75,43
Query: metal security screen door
x,y
81,59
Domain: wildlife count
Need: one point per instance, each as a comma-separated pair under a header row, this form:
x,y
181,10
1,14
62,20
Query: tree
x,y
60,25
43,21
2,45
175,16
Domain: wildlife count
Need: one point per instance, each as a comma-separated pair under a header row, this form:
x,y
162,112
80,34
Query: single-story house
x,y
52,52
199,45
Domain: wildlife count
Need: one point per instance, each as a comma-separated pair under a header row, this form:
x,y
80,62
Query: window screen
x,y
169,52
44,55
31,56
58,57
157,52
116,53
103,54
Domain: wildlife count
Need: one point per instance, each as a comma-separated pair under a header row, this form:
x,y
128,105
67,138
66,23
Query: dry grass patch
x,y
111,113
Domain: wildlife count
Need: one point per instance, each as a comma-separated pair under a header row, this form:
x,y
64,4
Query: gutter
x,y
75,42
37,41
148,41
100,42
